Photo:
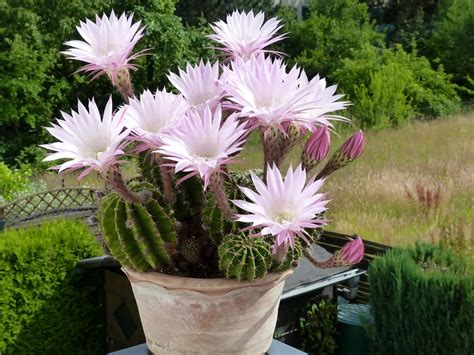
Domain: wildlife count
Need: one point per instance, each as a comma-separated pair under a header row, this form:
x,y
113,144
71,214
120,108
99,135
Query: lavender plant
x,y
188,213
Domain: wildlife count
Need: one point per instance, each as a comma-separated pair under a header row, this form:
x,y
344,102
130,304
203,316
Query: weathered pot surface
x,y
183,315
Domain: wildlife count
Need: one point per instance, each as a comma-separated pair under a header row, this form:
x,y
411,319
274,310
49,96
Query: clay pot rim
x,y
171,282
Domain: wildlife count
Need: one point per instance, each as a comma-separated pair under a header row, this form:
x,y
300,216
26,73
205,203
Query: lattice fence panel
x,y
58,202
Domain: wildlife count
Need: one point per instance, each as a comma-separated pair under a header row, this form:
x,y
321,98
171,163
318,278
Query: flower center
x,y
284,216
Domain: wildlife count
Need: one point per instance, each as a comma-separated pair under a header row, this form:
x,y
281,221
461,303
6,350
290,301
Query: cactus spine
x,y
244,257
140,235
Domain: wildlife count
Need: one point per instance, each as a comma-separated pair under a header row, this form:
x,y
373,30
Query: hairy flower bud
x,y
354,146
351,253
316,148
349,151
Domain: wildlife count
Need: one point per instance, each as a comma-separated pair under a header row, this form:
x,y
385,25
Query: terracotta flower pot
x,y
183,315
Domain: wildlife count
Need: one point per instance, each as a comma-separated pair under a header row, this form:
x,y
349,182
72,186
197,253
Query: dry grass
x,y
433,161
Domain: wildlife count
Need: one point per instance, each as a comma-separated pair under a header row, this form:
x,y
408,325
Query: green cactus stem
x,y
244,257
148,163
139,235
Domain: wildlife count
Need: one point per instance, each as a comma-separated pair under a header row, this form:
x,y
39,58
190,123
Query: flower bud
x,y
350,254
316,148
349,151
353,147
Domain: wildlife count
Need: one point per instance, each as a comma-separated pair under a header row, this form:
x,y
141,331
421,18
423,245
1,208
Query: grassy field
x,y
370,196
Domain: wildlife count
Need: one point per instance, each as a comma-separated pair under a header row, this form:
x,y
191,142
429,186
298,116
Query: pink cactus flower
x,y
107,46
283,208
88,140
316,148
199,84
354,146
244,34
150,116
269,95
201,144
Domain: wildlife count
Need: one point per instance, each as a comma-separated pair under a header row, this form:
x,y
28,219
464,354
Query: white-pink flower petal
x,y
244,34
108,43
151,115
199,84
202,143
263,90
285,207
88,139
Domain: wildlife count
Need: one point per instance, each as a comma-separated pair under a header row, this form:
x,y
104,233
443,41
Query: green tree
x,y
452,41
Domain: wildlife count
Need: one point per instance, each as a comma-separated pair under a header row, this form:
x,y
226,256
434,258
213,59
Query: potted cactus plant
x,y
206,248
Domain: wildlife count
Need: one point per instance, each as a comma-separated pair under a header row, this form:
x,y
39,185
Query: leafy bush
x,y
335,30
45,307
194,11
389,86
451,40
12,181
318,327
423,302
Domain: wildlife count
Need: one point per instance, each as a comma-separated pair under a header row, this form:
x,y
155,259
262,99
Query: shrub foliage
x,y
423,302
45,306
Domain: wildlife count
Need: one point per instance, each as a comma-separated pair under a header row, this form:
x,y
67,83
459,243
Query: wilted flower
x,y
87,140
263,91
316,148
349,151
201,144
152,115
283,208
199,84
107,44
244,34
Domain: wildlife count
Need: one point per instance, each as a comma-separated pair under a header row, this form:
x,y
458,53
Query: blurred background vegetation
x,y
399,62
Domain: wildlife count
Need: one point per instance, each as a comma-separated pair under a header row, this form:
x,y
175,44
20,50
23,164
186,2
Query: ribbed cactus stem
x,y
244,257
115,180
140,235
168,182
216,185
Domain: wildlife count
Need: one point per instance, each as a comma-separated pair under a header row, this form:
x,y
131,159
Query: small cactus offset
x,y
244,257
190,250
187,213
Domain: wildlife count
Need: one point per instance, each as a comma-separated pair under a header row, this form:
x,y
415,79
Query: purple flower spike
x,y
354,146
316,148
